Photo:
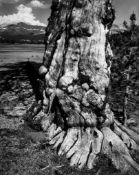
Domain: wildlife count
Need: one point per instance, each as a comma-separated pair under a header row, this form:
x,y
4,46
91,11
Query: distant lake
x,y
13,53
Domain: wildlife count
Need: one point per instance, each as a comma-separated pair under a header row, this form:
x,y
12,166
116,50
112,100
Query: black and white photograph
x,y
69,87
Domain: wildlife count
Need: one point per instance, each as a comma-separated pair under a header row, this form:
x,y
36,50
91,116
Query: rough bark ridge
x,y
76,71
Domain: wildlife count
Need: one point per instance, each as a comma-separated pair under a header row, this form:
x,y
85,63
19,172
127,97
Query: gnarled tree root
x,y
83,146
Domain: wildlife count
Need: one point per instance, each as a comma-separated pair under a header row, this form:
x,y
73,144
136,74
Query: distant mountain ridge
x,y
22,33
26,33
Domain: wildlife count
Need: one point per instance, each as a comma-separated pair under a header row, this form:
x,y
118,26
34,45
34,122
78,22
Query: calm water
x,y
20,52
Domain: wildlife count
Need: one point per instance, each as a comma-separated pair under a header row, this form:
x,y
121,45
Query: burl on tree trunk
x,y
76,69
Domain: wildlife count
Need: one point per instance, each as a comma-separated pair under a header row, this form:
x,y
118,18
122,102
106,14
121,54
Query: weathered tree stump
x,y
76,71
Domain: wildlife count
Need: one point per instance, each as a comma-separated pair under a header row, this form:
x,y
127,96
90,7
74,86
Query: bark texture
x,y
76,70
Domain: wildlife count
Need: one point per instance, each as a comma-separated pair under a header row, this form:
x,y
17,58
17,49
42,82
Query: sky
x,y
36,12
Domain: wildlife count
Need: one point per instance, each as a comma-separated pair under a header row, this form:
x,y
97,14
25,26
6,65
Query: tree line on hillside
x,y
129,36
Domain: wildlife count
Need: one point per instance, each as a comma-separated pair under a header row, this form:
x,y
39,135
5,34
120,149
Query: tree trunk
x,y
126,96
76,70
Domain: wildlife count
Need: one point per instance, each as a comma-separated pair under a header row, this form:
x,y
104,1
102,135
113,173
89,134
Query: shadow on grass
x,y
21,71
35,79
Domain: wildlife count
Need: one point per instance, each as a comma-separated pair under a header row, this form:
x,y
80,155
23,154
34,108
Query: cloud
x,y
24,14
29,3
36,3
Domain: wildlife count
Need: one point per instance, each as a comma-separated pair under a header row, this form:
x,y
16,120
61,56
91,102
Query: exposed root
x,y
69,141
115,149
53,130
83,146
96,144
129,132
132,163
130,143
58,139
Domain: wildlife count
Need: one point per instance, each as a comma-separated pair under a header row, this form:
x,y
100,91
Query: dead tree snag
x,y
76,71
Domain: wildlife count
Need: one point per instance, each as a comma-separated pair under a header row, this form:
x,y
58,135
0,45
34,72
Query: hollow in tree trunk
x,y
76,69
